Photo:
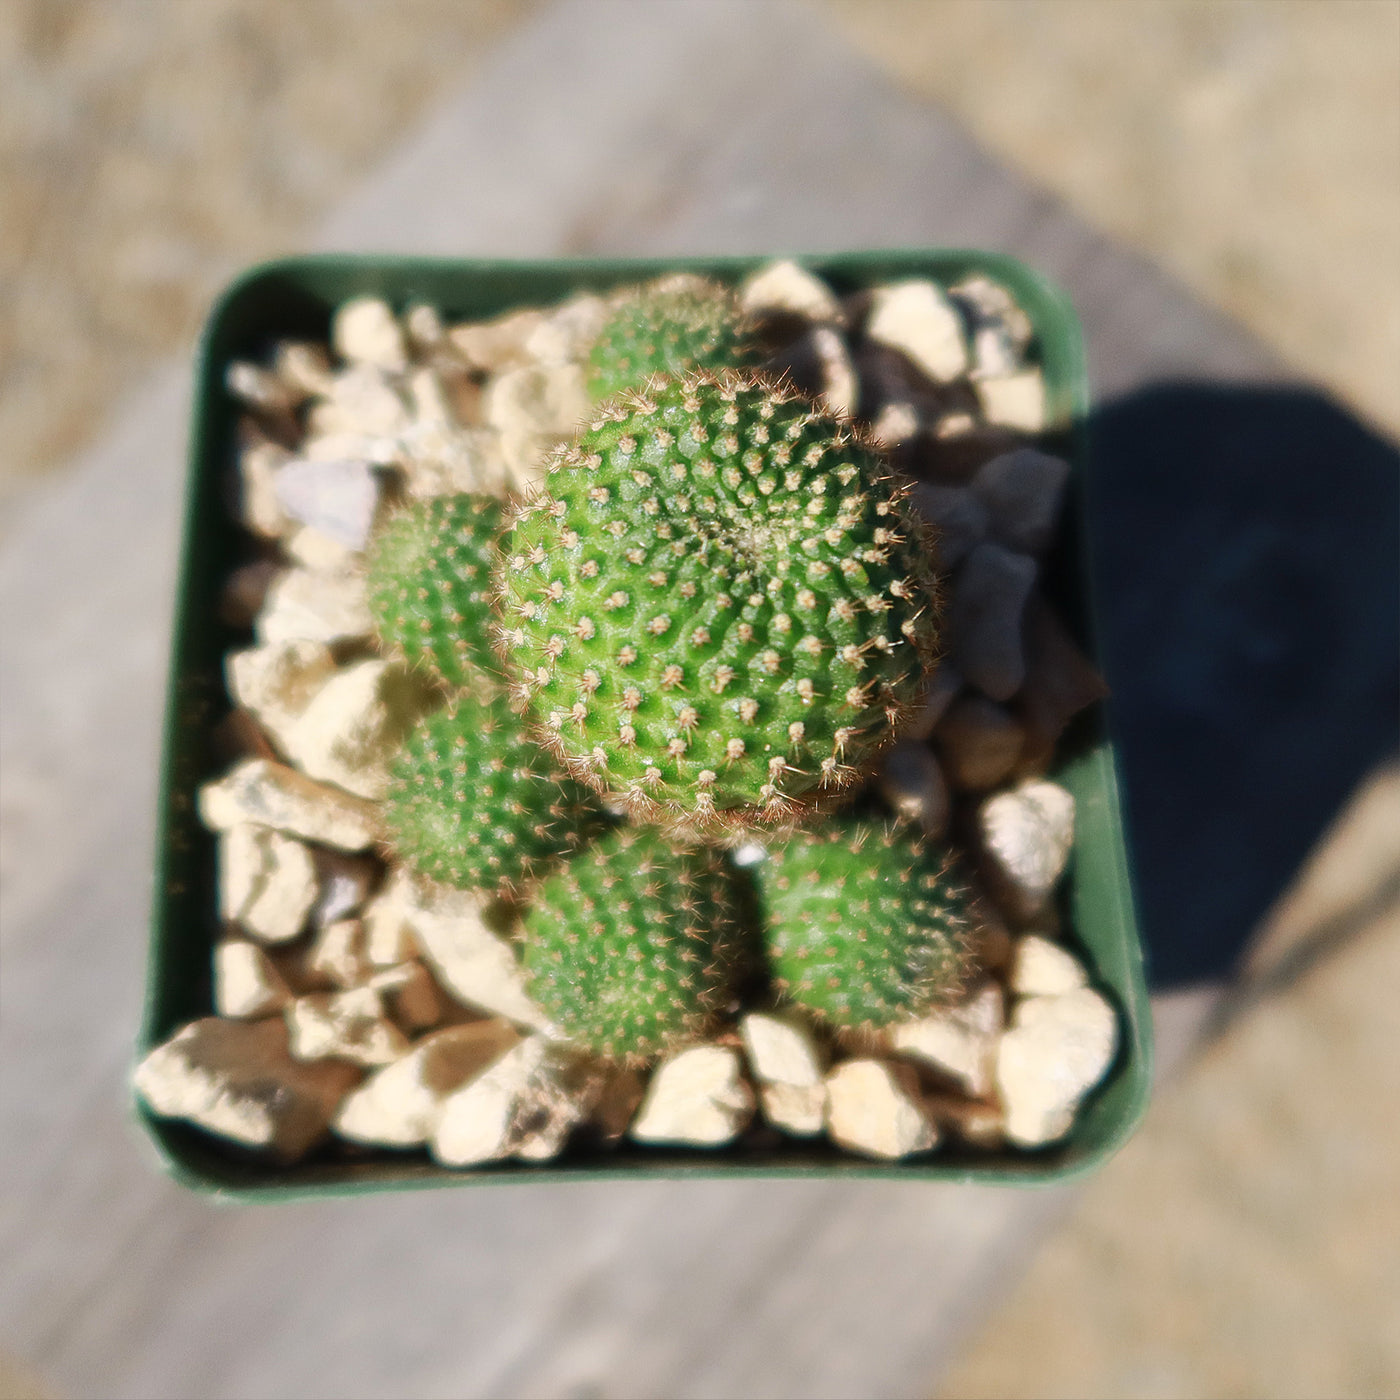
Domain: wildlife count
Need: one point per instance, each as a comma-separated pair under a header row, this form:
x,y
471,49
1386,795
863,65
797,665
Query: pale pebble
x,y
271,794
461,937
780,1049
304,367
1016,401
267,882
310,605
348,1025
1042,968
400,1104
796,1109
259,388
918,320
338,954
874,1110
246,983
958,1041
275,683
259,507
696,1098
785,288
236,1079
499,345
365,331
1057,1049
525,1105
355,726
362,401
1028,833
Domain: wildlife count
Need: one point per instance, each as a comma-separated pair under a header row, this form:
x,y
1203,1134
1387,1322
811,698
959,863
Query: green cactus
x,y
475,803
866,924
670,327
429,570
630,950
720,608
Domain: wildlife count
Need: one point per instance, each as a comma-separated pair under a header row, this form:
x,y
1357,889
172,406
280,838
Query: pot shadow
x,y
1244,552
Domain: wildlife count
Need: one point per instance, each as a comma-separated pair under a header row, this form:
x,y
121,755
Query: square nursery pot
x,y
295,298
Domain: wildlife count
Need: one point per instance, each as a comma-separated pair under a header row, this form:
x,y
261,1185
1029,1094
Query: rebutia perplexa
x,y
631,948
866,924
475,803
720,606
670,328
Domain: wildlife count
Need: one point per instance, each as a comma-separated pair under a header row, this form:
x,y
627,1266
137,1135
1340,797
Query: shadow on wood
x,y
1246,569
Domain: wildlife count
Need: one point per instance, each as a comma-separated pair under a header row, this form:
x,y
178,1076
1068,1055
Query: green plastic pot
x,y
295,298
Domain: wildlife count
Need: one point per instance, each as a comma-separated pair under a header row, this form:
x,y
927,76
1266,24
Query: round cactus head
x,y
720,608
429,571
866,925
670,327
474,802
629,950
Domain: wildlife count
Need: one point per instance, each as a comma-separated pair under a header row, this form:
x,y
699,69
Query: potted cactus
x,y
644,870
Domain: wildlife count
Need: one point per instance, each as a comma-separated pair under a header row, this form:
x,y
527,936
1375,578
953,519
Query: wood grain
x,y
614,127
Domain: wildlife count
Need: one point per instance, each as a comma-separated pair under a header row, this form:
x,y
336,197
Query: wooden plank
x,y
699,124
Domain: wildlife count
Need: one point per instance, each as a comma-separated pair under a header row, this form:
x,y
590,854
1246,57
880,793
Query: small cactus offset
x,y
867,925
474,802
720,608
429,571
670,327
630,950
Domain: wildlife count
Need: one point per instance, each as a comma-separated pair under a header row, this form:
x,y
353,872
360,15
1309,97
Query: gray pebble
x,y
985,617
912,783
959,517
940,690
1023,491
979,743
1060,680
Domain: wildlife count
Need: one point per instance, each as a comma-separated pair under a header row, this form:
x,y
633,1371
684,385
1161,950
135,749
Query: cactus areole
x,y
720,607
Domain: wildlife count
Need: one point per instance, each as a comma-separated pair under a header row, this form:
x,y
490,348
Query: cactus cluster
x,y
713,616
867,924
719,605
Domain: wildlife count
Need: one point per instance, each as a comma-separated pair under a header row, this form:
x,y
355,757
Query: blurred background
x,y
1247,1242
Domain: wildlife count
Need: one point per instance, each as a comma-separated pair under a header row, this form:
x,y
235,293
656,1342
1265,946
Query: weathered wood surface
x,y
697,125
